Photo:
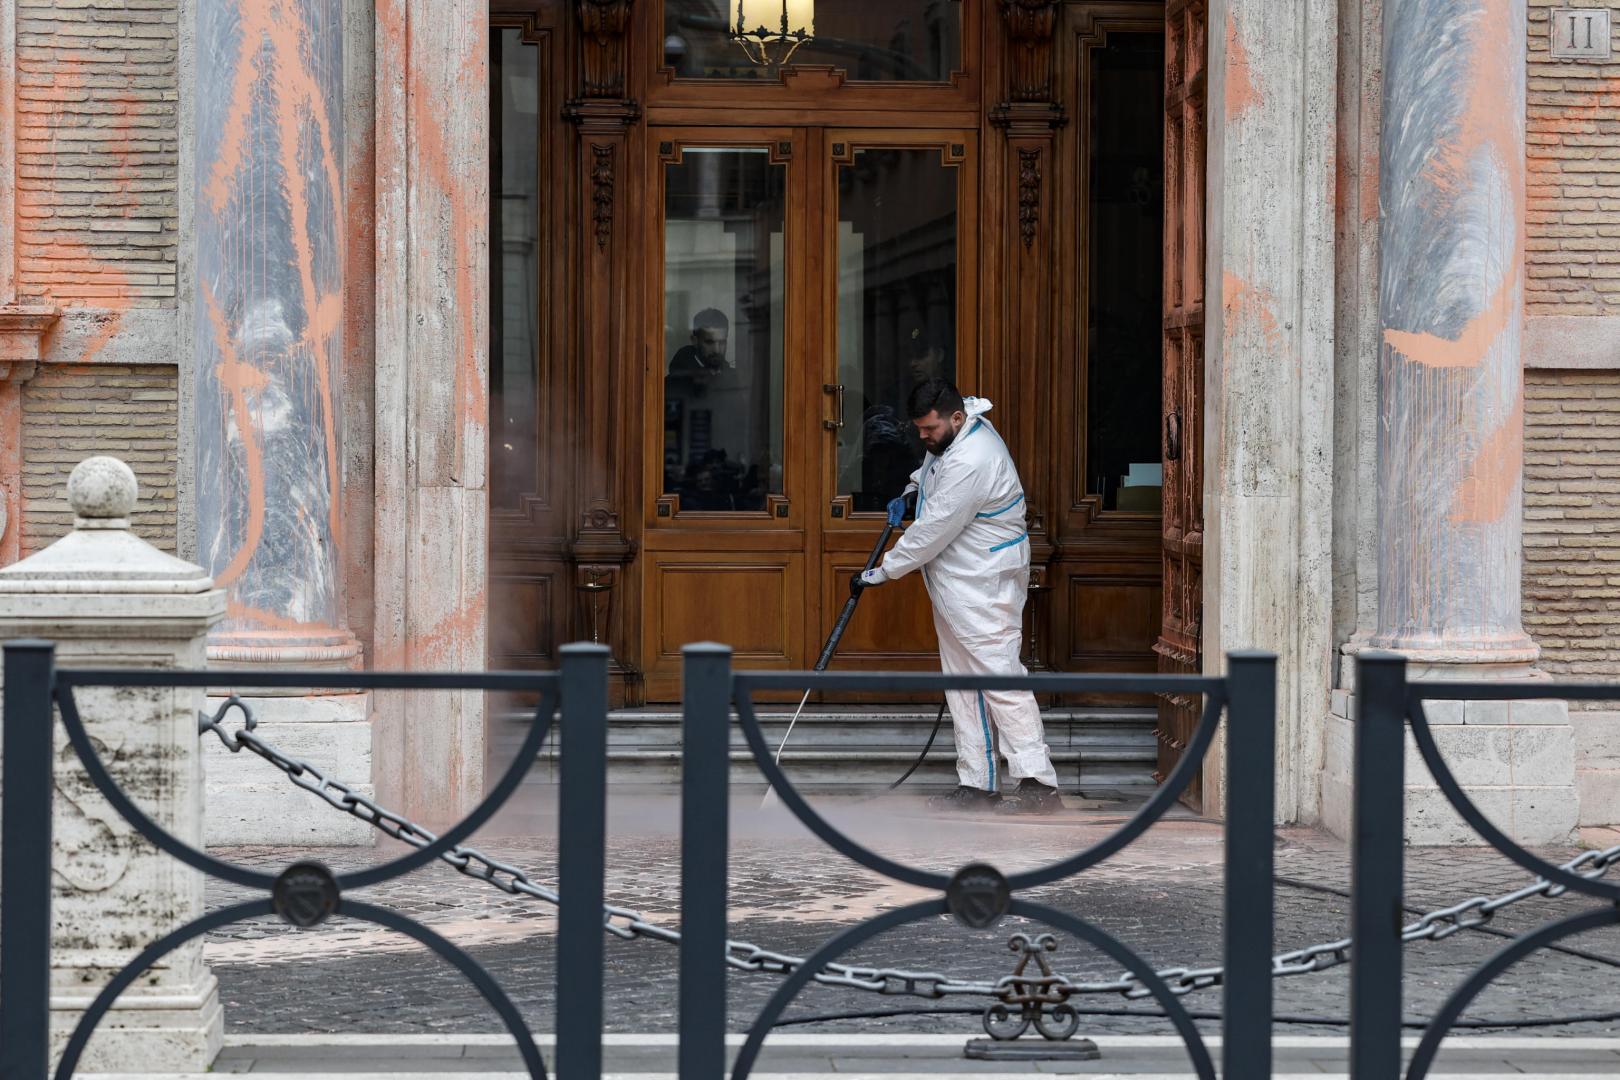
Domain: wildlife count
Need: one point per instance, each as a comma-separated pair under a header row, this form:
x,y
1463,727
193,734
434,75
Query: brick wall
x,y
1573,219
73,411
1572,519
97,151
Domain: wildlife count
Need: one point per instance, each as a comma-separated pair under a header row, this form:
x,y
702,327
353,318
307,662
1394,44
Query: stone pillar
x,y
1268,368
110,599
432,396
269,231
1451,416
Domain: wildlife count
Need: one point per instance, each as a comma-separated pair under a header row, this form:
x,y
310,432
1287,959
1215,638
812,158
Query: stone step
x,y
836,750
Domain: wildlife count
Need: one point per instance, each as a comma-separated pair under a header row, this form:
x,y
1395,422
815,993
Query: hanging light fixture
x,y
771,31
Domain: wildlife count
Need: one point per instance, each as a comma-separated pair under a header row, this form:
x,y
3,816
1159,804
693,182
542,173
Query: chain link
x,y
630,925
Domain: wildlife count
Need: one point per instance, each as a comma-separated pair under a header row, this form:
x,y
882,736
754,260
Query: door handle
x,y
1172,436
837,390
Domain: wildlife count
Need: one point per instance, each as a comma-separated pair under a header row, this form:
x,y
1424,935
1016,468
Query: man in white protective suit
x,y
970,541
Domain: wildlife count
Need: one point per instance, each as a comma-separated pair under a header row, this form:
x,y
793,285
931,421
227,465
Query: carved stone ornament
x,y
603,24
602,192
1029,192
1030,24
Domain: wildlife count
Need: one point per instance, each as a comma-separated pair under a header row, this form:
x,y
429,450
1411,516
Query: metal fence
x,y
1388,702
306,893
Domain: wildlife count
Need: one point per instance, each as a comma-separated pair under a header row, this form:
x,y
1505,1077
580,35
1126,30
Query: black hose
x,y
932,735
1152,1014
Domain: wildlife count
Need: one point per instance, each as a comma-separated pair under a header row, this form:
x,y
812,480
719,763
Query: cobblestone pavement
x,y
1162,895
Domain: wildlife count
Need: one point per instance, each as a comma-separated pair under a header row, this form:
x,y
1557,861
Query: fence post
x,y
1251,735
582,829
1376,866
25,861
705,787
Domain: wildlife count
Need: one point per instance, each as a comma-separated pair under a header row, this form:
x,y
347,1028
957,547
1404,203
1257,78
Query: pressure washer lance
x,y
826,656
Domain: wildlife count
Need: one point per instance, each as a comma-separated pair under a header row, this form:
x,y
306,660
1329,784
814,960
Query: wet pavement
x,y
789,892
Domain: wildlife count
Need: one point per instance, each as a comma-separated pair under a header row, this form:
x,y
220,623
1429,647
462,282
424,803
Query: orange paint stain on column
x,y
1486,491
238,380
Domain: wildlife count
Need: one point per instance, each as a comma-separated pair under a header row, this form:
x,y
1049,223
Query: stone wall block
x,y
1600,796
248,799
110,599
1443,712
1523,713
1492,713
1597,739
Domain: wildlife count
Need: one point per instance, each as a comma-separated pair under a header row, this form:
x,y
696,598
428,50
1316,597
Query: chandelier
x,y
771,31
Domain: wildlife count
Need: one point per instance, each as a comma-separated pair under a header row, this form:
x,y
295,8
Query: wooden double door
x,y
800,281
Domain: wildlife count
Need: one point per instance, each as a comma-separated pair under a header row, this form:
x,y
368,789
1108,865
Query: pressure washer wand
x,y
829,648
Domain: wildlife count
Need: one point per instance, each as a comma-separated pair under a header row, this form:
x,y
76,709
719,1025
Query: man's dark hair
x,y
934,395
710,319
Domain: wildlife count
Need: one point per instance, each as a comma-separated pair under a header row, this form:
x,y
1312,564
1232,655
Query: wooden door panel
x,y
752,603
1180,636
1111,618
893,625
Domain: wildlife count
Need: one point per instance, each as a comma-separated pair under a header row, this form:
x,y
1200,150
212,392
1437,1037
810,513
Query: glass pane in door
x,y
514,295
897,254
1125,222
724,214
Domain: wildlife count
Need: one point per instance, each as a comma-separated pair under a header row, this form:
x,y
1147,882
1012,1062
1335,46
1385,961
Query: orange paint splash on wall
x,y
1241,92
433,157
112,293
1243,303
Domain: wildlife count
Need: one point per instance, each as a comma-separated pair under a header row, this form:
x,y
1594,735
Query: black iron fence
x,y
978,895
1388,704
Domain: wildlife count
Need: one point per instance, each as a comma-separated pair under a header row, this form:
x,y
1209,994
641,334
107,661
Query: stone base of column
x,y
1516,760
149,1029
248,800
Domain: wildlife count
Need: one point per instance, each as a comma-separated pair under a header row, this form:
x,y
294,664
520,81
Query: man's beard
x,y
939,446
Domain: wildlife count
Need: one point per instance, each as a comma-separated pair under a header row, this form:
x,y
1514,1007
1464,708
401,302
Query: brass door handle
x,y
837,390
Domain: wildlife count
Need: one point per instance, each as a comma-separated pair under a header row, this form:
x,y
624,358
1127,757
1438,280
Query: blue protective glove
x,y
898,509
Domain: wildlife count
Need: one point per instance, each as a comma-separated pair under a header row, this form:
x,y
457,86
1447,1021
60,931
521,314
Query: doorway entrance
x,y
804,280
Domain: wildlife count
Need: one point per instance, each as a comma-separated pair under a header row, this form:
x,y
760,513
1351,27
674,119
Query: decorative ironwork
x,y
306,893
979,894
779,28
1388,704
1041,999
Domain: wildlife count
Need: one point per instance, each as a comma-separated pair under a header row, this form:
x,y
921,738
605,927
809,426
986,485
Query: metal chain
x,y
630,925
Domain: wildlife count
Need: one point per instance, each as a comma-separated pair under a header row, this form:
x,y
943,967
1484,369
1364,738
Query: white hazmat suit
x,y
970,541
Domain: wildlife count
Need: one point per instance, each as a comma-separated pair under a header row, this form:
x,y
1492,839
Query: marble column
x,y
1450,422
1451,313
269,239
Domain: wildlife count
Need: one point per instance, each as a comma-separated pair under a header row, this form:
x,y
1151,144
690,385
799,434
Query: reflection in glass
x,y
1125,223
896,310
723,285
891,41
514,300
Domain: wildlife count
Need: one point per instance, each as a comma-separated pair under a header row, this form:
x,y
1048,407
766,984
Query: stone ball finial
x,y
102,489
